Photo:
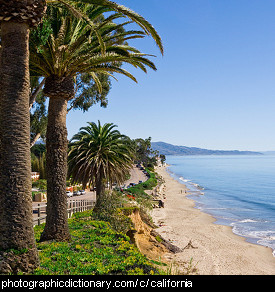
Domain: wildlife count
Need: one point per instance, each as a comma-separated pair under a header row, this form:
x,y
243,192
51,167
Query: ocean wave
x,y
266,235
248,221
272,238
216,208
196,193
198,186
190,183
183,179
262,235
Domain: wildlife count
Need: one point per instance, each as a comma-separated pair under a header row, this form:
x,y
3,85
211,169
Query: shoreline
x,y
213,249
199,189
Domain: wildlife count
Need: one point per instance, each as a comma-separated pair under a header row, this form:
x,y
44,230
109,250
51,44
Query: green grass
x,y
95,249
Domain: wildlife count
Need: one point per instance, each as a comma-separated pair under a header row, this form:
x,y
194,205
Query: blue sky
x,y
215,84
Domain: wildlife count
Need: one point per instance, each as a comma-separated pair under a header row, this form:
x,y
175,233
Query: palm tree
x,y
17,243
16,19
72,49
99,155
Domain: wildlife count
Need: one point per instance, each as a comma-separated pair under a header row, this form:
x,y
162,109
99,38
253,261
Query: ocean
x,y
238,191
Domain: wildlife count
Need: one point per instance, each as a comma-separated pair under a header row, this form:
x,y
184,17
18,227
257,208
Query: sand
x,y
213,249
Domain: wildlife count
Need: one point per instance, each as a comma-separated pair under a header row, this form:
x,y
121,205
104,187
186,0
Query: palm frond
x,y
74,47
141,21
97,81
81,15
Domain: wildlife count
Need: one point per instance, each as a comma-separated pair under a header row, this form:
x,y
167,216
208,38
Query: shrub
x,y
113,204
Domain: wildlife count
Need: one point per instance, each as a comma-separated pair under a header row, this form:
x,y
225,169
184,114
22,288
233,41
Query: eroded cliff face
x,y
148,241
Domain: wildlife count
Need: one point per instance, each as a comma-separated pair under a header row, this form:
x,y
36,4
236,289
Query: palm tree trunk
x,y
100,193
56,159
17,244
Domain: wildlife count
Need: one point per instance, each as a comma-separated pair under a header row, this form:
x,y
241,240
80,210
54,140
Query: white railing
x,y
74,206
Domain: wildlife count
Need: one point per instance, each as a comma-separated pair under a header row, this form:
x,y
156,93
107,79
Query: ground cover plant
x,y
95,249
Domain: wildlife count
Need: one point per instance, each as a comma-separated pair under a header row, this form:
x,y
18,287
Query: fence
x,y
40,211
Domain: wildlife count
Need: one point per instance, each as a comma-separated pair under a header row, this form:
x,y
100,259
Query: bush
x,y
112,213
151,182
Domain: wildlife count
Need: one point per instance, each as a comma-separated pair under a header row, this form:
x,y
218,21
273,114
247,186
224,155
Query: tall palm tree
x,y
17,244
97,155
16,19
73,48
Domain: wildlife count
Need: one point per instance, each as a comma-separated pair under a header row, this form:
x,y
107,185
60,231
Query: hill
x,y
169,149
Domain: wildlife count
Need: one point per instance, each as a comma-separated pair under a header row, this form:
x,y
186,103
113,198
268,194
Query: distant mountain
x,y
269,152
169,149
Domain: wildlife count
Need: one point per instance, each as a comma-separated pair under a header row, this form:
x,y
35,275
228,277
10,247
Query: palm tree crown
x,y
99,152
73,47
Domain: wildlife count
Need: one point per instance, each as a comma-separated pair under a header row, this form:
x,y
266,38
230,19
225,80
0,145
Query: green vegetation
x,y
115,212
99,244
38,160
40,184
138,191
144,152
151,182
71,38
99,154
95,249
75,48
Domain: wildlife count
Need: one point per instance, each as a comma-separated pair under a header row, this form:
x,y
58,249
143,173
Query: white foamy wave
x,y
269,242
267,235
183,179
248,221
217,208
262,237
197,186
196,193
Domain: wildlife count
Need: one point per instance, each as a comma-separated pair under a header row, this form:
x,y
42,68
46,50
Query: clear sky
x,y
215,84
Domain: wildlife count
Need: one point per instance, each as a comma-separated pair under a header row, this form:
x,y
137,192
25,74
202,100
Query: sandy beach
x,y
213,249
